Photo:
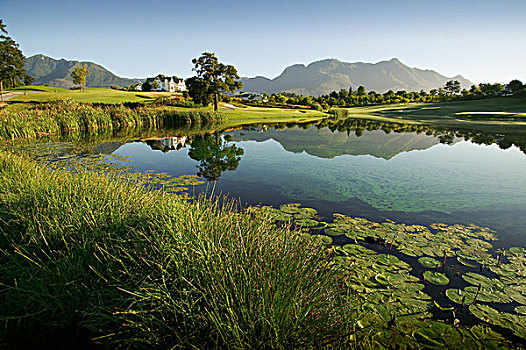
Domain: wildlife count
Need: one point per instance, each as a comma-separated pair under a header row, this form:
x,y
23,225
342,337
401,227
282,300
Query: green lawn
x,y
38,94
488,115
255,115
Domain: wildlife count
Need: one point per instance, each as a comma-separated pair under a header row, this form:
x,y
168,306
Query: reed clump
x,y
87,258
63,117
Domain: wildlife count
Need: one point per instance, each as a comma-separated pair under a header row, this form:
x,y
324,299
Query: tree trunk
x,y
215,102
2,90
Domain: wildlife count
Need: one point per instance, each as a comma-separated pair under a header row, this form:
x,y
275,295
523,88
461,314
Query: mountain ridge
x,y
52,72
323,76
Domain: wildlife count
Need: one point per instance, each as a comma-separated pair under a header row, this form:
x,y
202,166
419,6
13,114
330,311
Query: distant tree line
x,y
360,97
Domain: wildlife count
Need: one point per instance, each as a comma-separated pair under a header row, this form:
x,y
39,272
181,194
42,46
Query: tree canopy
x,y
213,78
79,75
516,87
452,87
12,61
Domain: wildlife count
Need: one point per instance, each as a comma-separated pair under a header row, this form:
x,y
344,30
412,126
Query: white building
x,y
162,83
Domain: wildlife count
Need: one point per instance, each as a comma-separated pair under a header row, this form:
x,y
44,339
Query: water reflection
x,y
215,155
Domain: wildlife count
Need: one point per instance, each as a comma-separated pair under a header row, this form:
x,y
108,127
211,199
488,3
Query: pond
x,y
432,219
406,177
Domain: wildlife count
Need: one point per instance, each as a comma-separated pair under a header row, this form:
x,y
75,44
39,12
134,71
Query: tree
x,y
146,86
198,90
11,61
79,75
215,77
360,91
452,87
516,87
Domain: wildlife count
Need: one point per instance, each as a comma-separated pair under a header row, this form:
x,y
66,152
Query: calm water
x,y
406,177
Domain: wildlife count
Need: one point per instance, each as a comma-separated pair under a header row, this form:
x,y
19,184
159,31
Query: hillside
x,y
324,76
51,72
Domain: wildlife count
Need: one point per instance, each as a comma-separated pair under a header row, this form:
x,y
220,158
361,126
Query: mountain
x,y
328,75
52,72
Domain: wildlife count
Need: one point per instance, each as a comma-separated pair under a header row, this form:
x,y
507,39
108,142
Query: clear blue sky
x,y
485,41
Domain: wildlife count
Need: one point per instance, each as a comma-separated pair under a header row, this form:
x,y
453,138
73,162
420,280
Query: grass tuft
x,y
63,117
89,258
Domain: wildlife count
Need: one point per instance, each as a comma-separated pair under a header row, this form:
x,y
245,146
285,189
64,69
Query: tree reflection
x,y
214,155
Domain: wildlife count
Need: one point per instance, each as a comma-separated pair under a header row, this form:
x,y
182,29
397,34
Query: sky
x,y
484,41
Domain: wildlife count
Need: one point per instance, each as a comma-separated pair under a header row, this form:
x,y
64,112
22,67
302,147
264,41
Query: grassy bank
x,y
90,259
63,117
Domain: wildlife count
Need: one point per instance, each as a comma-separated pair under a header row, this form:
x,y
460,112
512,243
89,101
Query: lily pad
x,y
429,263
437,278
484,295
486,282
518,251
322,239
306,222
387,259
521,310
290,208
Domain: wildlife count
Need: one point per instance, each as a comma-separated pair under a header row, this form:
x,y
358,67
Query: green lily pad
x,y
486,282
521,310
464,262
429,263
306,222
387,259
283,217
290,208
322,239
437,278
484,312
383,279
518,251
356,249
514,322
484,295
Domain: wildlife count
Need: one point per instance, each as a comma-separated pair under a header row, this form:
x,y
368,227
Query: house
x,y
164,83
167,144
250,96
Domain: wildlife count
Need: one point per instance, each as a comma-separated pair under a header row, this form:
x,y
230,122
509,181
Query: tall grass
x,y
85,258
63,117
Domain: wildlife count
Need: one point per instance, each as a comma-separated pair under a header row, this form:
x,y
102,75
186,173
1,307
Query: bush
x,y
339,113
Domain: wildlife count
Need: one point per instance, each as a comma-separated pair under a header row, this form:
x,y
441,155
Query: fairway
x,y
487,115
256,115
38,94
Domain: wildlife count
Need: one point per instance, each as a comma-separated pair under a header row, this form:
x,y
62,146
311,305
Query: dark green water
x,y
404,176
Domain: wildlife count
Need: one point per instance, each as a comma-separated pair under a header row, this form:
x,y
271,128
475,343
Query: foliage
x,y
12,61
213,78
198,89
79,75
339,113
452,87
62,117
516,87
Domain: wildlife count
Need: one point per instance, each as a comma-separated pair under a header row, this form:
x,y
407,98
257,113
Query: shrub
x,y
339,113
